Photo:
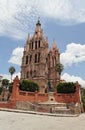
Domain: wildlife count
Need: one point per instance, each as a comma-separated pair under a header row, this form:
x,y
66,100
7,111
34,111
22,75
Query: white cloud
x,y
72,78
67,77
8,76
17,17
16,57
67,11
74,53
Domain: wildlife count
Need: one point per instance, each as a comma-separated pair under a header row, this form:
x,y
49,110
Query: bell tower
x,y
34,63
53,59
38,62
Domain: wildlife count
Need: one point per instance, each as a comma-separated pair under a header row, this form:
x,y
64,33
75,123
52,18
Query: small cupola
x,y
38,23
38,26
38,31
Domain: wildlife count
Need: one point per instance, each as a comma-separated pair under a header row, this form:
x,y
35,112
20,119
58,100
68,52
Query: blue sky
x,y
62,20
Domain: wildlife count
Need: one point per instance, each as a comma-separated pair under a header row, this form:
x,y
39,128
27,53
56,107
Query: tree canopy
x,y
59,68
12,71
5,82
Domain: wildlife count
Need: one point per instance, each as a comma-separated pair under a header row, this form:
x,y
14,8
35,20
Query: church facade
x,y
38,61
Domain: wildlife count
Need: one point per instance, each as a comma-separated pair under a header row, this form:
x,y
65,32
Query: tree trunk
x,y
11,78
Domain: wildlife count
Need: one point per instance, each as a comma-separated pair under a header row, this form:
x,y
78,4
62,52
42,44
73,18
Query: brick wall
x,y
18,95
8,105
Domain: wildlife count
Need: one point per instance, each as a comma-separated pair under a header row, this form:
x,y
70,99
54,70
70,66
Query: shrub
x,y
69,87
26,85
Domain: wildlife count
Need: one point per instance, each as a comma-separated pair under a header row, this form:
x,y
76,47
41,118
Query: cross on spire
x,y
38,23
38,18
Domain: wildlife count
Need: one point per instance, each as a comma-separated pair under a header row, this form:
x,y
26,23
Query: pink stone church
x,y
38,61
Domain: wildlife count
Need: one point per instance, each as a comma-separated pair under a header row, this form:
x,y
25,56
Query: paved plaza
x,y
23,121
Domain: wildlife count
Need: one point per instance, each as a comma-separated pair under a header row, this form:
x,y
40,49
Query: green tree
x,y
59,68
11,71
5,82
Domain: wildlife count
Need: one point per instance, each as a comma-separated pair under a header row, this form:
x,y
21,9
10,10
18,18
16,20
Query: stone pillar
x,y
51,96
78,95
15,89
36,96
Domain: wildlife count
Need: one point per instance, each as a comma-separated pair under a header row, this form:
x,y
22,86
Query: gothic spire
x,y
54,46
28,39
38,26
38,30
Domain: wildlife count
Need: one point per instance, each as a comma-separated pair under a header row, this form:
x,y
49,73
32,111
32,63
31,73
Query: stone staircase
x,y
50,106
61,109
54,107
47,107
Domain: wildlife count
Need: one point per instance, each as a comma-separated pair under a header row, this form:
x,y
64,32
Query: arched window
x,y
32,45
31,73
38,57
46,59
34,73
35,58
39,44
27,74
54,61
30,58
35,44
26,59
29,46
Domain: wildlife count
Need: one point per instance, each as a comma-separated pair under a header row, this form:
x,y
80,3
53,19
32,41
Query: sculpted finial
x,y
54,44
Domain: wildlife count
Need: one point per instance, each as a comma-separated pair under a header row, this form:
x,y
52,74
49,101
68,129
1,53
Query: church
x,y
38,61
39,65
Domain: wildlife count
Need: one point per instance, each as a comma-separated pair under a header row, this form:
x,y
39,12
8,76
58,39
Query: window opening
x,y
26,59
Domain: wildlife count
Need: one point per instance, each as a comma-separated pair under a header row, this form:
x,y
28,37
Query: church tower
x,y
53,59
38,63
